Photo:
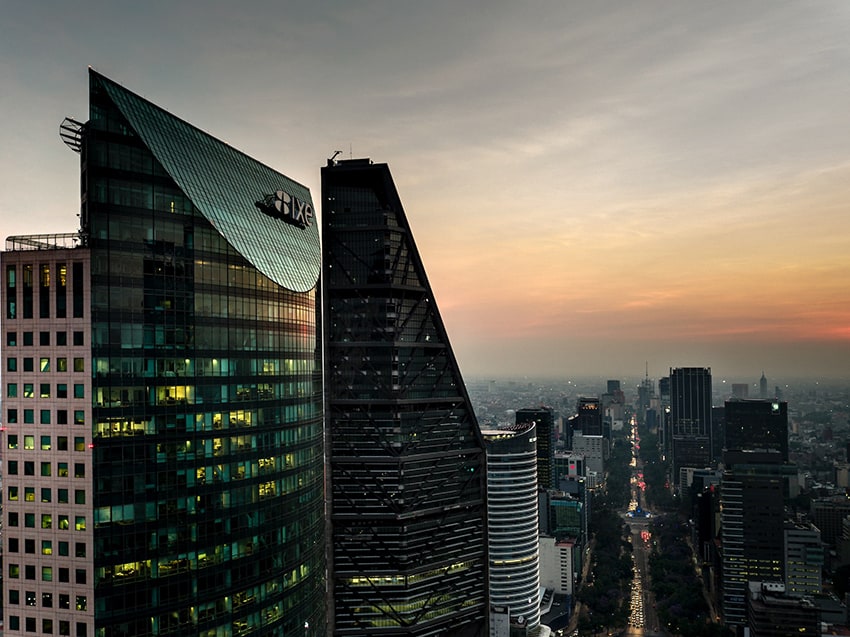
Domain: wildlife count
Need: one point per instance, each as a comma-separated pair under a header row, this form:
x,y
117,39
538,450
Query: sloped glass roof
x,y
225,185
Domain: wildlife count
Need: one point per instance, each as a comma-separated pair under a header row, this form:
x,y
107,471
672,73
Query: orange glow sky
x,y
592,186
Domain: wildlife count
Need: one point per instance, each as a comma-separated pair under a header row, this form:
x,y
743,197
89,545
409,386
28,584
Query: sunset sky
x,y
593,186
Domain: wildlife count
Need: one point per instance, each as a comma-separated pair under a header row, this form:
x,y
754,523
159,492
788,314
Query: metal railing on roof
x,y
58,241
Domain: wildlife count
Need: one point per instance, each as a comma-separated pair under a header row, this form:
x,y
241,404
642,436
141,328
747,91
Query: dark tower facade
x,y
757,424
407,466
690,417
544,418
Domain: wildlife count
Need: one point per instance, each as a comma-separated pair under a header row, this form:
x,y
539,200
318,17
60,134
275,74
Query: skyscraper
x,y
178,414
512,522
407,465
756,424
544,418
690,418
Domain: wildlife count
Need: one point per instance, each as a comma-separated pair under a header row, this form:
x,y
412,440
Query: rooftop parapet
x,y
61,241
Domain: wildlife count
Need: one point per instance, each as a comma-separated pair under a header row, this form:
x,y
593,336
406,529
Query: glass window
x,y
12,390
12,416
29,494
63,549
79,338
80,576
47,547
79,496
13,518
61,338
28,365
79,443
62,469
80,549
46,493
14,545
29,390
80,523
12,467
29,442
29,520
14,596
44,338
64,524
11,339
79,470
79,364
62,364
30,598
11,364
79,391
44,364
14,571
64,600
47,600
44,416
62,443
29,468
44,390
29,571
46,573
29,416
45,443
61,416
12,441
62,495
28,339
81,602
46,622
12,494
45,469
62,390
79,417
46,520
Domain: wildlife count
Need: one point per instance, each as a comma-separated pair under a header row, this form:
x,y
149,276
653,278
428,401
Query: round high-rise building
x,y
512,523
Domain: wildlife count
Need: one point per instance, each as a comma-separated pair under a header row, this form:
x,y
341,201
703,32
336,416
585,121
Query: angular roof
x,y
225,185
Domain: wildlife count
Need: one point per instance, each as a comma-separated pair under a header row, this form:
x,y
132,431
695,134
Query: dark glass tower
x,y
544,418
757,424
690,417
204,409
407,466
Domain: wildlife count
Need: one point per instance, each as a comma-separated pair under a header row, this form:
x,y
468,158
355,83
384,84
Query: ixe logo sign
x,y
282,205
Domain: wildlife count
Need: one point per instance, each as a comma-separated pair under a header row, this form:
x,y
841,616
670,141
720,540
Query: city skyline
x,y
592,187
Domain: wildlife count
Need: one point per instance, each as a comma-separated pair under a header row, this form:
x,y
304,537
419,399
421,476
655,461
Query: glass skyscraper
x,y
406,458
179,427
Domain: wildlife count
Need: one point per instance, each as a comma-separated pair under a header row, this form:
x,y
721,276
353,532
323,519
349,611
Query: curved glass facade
x,y
206,386
512,523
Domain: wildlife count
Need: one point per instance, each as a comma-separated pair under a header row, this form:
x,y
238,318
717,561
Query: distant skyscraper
x,y
407,466
690,417
740,390
162,376
544,418
513,525
756,424
763,387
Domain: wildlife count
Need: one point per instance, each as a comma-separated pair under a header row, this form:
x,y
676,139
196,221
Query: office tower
x,y
828,515
407,466
804,559
588,418
718,434
170,393
763,387
512,524
690,418
756,424
752,527
544,418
